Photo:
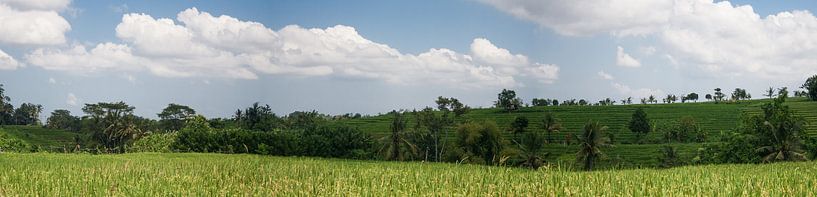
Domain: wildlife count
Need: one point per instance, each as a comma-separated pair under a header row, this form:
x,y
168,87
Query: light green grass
x,y
251,175
39,136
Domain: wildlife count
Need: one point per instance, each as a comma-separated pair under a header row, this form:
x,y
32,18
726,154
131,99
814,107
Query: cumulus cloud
x,y
625,60
716,37
201,44
71,100
27,22
48,5
7,62
605,75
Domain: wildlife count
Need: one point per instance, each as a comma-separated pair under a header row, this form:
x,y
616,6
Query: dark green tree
x,y
172,118
258,118
551,125
6,109
480,142
396,146
519,125
113,124
508,101
639,124
769,92
28,114
779,131
62,119
811,87
591,141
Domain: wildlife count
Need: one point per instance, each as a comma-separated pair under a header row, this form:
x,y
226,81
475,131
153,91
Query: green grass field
x,y
150,174
35,135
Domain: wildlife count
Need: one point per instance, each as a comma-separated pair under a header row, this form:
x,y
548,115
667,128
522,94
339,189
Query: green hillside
x,y
711,117
39,136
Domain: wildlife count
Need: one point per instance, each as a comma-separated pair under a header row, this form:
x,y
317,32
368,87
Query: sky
x,y
371,56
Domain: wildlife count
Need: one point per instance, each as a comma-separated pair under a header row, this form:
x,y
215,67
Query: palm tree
x,y
785,144
551,125
530,147
397,143
591,142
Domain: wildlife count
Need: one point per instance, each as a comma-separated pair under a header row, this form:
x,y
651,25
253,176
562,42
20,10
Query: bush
x,y
10,144
157,142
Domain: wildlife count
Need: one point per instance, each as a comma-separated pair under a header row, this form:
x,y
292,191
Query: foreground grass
x,y
216,174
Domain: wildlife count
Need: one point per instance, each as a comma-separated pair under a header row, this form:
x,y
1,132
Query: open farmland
x,y
219,175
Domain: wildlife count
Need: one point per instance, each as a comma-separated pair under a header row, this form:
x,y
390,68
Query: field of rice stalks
x,y
153,174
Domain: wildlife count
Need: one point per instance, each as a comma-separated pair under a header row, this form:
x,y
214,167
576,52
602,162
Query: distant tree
x,y
740,94
453,105
530,146
583,102
780,132
305,119
811,87
651,99
396,146
555,102
258,118
6,109
639,123
519,125
508,101
62,119
669,157
28,114
718,96
692,97
629,100
435,124
590,144
769,92
172,118
643,101
113,124
551,125
540,102
480,142
783,92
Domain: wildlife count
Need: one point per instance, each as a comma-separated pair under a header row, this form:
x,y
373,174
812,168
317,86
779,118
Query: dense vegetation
x,y
171,174
578,134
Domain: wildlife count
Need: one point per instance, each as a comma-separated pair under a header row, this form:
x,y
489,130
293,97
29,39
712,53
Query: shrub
x,y
157,142
10,144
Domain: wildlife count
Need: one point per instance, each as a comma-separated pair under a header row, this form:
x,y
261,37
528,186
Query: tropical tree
x,y
435,124
651,99
708,97
769,92
480,142
453,105
639,124
113,124
258,118
519,125
692,97
551,125
783,92
779,131
591,141
172,118
531,145
62,119
508,101
396,147
811,87
718,95
6,109
28,114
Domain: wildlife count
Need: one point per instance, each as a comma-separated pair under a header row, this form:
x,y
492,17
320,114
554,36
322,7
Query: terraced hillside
x,y
39,136
711,117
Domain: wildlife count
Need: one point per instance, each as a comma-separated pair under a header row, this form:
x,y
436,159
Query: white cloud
x,y
7,62
648,50
72,99
605,75
202,45
48,5
589,17
625,90
38,27
51,80
625,60
709,36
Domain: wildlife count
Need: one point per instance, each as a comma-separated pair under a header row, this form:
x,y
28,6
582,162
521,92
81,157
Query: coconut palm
x,y
785,144
591,142
551,125
397,143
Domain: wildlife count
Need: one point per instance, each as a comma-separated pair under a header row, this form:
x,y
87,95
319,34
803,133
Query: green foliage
x,y
480,142
429,130
62,119
11,144
173,116
28,114
590,144
779,131
639,123
669,157
811,87
157,142
508,101
6,109
339,142
551,125
113,124
519,125
685,130
258,118
452,104
397,147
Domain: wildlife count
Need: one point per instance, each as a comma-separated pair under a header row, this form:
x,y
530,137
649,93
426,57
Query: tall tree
x,y
480,142
591,142
62,119
811,87
692,96
783,92
508,101
718,95
435,123
113,123
28,114
639,124
519,125
258,117
172,118
708,97
551,125
769,92
779,131
6,109
396,144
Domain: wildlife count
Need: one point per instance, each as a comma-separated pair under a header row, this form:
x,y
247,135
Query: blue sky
x,y
399,54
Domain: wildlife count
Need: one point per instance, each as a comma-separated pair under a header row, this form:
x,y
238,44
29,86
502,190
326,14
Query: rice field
x,y
153,174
